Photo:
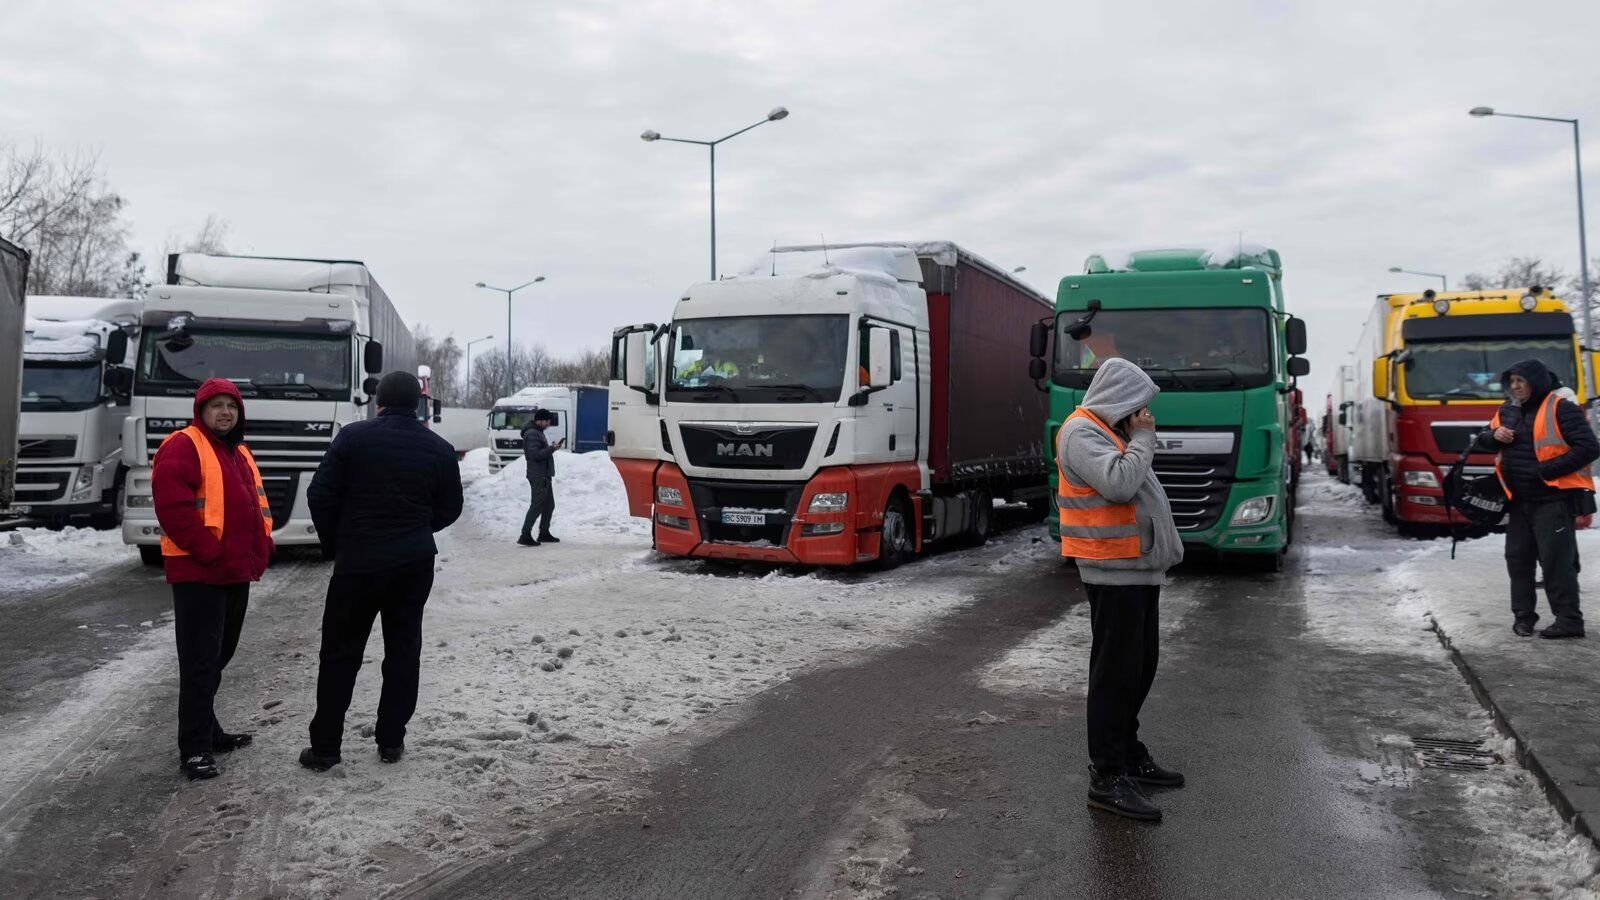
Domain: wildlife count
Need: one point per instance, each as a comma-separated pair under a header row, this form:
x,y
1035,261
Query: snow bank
x,y
590,498
36,559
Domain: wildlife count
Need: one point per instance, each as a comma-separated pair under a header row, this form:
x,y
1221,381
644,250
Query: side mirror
x,y
1294,336
879,348
1380,378
370,386
372,361
1344,417
638,344
1038,340
1036,369
438,410
119,381
117,348
1299,366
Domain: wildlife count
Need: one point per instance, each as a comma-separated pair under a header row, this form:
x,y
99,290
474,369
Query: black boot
x,y
1561,631
317,762
1522,629
1120,795
391,754
1147,772
227,743
548,538
527,540
200,767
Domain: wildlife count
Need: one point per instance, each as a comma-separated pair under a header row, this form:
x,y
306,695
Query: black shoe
x,y
1522,629
1561,631
227,743
1147,772
316,762
200,767
549,539
527,540
391,754
1120,795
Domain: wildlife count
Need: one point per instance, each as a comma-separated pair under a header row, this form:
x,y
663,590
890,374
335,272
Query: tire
x,y
1386,499
105,521
982,519
895,543
1344,469
150,555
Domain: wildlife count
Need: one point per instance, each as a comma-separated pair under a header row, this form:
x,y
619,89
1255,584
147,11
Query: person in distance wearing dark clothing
x,y
540,455
216,539
384,488
1545,448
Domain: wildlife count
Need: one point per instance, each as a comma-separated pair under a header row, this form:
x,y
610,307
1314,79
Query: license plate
x,y
740,518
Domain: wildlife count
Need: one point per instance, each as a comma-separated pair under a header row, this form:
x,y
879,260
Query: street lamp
x,y
1482,112
508,292
469,358
1444,282
777,114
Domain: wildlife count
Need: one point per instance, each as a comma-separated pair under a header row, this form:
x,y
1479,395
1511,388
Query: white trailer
x,y
1341,423
13,287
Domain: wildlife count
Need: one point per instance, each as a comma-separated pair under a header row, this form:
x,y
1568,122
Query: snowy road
x,y
598,722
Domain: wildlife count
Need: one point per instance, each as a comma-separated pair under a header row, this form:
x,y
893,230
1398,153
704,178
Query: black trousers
x,y
1122,666
354,601
541,506
206,619
1543,534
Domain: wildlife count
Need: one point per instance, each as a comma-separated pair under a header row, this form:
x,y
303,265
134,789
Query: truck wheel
x,y
1386,499
150,555
894,544
982,520
111,518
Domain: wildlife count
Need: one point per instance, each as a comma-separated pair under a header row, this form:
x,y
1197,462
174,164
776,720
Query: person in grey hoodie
x,y
1117,525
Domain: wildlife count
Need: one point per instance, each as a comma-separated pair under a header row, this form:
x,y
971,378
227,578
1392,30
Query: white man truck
x,y
304,341
578,416
75,394
13,288
832,406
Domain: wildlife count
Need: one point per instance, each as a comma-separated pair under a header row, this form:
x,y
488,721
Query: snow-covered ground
x,y
36,559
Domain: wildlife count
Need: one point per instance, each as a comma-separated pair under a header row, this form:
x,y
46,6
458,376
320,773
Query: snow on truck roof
x,y
898,259
1231,254
323,276
70,329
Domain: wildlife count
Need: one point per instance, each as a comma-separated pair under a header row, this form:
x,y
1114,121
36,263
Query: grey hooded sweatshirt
x,y
1091,459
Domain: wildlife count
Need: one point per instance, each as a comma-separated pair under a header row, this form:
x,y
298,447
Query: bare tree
x,y
531,365
588,367
64,213
443,357
211,237
1519,272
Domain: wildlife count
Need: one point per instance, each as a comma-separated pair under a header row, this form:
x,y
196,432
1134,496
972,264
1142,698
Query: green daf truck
x,y
1209,326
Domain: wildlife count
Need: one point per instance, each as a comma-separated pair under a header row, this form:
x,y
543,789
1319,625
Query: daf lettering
x,y
753,451
1169,445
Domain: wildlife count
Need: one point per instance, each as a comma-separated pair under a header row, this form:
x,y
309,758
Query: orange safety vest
x,y
211,486
1548,444
1093,527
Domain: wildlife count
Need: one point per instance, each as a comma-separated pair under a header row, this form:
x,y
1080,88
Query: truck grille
x,y
711,497
1197,487
281,488
767,447
41,487
1453,437
47,448
284,451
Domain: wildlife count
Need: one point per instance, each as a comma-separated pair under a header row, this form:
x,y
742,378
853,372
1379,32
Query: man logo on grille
x,y
754,451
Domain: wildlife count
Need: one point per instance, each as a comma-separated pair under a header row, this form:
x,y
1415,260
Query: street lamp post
x,y
1444,283
508,292
777,114
1482,112
469,358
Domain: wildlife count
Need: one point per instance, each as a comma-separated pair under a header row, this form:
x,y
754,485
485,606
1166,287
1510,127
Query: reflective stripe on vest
x,y
1093,527
1548,444
211,487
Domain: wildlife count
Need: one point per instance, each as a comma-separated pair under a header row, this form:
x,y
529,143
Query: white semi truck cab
x,y
75,396
305,341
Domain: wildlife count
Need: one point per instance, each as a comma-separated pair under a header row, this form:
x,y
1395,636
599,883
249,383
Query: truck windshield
x,y
510,419
759,359
1183,349
276,365
1470,370
59,386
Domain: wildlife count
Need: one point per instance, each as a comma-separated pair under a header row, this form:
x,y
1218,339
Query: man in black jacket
x,y
384,488
1546,496
540,456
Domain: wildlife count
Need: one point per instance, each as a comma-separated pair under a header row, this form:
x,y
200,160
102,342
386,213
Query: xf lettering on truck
x,y
742,449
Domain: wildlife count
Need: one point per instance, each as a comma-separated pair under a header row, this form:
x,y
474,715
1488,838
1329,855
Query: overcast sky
x,y
448,143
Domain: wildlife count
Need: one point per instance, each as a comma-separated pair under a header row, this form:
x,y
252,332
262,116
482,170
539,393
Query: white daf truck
x,y
305,342
75,392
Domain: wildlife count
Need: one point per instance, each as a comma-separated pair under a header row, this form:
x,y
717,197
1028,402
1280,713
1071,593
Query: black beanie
x,y
399,390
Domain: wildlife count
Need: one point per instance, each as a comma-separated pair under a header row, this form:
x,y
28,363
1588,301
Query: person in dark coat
x,y
209,567
384,488
540,455
1546,496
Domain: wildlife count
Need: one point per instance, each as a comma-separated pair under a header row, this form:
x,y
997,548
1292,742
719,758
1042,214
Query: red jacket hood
x,y
211,388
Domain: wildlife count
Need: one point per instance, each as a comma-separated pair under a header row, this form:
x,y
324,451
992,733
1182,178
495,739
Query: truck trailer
x,y
76,388
1429,366
13,290
831,406
1340,415
1210,328
578,414
295,335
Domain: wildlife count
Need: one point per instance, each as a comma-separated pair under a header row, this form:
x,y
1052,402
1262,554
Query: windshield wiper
x,y
732,394
35,398
810,391
1233,377
1170,374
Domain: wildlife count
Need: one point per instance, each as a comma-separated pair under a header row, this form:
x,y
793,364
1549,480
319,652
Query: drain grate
x,y
1452,753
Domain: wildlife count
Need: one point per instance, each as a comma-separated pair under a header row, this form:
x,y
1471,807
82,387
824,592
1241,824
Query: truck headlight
x,y
829,503
1256,509
140,501
669,496
1420,478
83,482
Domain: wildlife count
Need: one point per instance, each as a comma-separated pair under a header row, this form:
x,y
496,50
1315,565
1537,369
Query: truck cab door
x,y
633,422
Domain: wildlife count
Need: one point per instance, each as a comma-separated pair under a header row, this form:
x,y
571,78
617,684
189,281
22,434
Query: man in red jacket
x,y
216,539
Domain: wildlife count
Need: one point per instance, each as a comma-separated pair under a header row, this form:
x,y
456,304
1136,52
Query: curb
x,y
1525,752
